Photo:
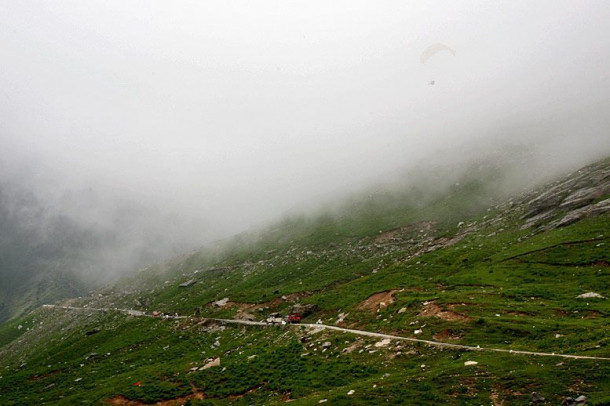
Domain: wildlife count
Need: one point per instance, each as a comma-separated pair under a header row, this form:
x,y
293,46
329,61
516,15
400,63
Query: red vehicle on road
x,y
293,318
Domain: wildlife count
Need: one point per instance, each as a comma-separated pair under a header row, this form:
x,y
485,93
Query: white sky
x,y
234,111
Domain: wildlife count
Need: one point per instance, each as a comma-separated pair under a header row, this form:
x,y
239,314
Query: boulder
x,y
221,302
213,362
590,295
536,399
383,343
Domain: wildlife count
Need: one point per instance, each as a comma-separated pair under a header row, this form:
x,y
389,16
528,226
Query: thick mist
x,y
159,127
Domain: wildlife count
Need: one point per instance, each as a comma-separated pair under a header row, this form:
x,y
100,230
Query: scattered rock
x,y
401,311
187,283
536,399
469,363
579,401
351,392
341,318
92,355
94,331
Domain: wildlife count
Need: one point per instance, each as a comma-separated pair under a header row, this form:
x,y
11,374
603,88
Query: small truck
x,y
293,318
275,318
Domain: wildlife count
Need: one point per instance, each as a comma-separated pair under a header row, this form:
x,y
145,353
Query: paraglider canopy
x,y
433,50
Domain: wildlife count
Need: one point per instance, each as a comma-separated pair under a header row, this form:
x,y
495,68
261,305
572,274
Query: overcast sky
x,y
232,112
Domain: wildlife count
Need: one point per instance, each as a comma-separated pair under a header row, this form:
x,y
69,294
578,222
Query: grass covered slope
x,y
456,269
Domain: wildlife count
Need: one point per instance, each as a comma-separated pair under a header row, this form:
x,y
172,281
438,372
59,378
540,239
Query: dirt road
x,y
138,313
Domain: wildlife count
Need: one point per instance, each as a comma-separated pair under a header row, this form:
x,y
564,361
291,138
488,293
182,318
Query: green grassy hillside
x,y
454,265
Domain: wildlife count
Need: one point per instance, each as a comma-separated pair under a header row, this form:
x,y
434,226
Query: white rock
x,y
323,401
383,343
468,363
221,302
351,392
590,295
419,331
214,363
401,311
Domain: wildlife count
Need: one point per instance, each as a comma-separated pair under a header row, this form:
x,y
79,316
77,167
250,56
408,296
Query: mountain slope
x,y
455,269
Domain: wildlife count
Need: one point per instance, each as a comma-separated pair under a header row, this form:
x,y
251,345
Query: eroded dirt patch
x,y
431,309
402,233
244,306
242,394
43,376
447,335
517,313
378,301
122,400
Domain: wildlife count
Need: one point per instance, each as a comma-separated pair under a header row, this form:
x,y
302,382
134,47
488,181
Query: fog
x,y
196,120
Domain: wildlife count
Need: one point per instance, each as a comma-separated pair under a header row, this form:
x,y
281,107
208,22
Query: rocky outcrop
x,y
570,200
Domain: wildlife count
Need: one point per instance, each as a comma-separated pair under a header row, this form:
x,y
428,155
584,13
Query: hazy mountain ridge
x,y
53,247
493,278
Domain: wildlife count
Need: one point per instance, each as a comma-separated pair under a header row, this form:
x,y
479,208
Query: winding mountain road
x,y
138,313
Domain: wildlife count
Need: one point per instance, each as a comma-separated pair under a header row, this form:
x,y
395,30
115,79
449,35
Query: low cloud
x,y
181,125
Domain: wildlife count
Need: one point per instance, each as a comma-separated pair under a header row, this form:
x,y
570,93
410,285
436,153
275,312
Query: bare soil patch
x,y
447,335
244,306
431,309
518,313
241,395
43,376
398,234
378,301
122,400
